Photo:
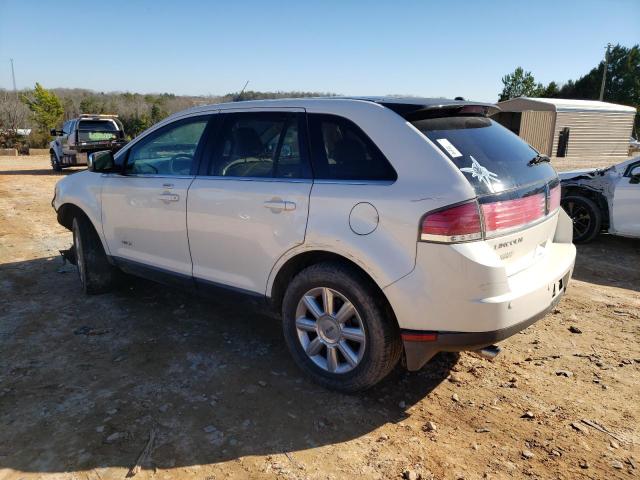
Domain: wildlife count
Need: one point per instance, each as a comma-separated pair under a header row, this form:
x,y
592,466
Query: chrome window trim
x,y
151,175
297,180
354,182
255,179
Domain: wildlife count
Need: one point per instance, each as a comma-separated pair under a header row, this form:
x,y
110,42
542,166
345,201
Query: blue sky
x,y
427,48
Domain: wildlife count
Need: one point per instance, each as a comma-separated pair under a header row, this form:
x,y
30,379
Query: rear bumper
x,y
91,147
463,297
418,353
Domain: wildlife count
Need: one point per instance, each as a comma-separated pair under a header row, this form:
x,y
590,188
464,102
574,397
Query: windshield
x,y
491,157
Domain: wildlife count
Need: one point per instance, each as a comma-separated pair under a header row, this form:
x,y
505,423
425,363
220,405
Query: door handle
x,y
276,205
169,197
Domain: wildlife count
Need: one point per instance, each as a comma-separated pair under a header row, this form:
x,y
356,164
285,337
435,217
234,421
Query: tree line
x,y
41,110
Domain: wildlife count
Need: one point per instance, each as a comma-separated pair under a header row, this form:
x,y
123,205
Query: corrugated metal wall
x,y
536,128
594,134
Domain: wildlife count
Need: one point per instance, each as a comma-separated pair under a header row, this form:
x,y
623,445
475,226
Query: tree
x,y
622,85
91,104
14,115
551,90
46,107
157,113
520,84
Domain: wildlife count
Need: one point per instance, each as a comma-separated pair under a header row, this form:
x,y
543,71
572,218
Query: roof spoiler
x,y
415,112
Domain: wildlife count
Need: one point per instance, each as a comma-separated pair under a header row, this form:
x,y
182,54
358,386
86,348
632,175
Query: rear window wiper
x,y
538,159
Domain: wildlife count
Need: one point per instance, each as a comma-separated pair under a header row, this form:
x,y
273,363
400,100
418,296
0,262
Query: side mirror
x,y
101,161
635,175
56,133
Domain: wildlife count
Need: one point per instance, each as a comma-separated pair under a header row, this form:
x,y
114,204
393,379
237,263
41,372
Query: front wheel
x,y
338,330
96,274
55,163
585,215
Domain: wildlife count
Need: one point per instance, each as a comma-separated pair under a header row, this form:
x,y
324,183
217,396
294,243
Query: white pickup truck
x,y
84,135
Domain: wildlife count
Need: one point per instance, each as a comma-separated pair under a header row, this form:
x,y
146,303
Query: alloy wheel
x,y
330,330
77,243
580,217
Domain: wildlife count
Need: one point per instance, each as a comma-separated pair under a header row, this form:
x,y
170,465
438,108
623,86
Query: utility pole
x,y
604,72
13,77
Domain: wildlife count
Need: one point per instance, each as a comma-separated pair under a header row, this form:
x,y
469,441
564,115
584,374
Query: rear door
x,y
250,203
144,210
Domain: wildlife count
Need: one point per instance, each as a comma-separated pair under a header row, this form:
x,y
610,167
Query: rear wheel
x,y
586,217
338,330
96,274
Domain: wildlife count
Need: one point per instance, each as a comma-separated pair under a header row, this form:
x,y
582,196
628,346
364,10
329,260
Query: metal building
x,y
570,128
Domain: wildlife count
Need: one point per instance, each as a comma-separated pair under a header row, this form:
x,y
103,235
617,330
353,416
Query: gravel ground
x,y
85,382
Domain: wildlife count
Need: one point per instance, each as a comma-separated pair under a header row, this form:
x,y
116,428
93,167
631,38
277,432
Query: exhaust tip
x,y
488,353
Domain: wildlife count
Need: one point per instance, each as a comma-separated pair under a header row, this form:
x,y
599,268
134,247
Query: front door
x,y
144,209
251,204
68,140
626,201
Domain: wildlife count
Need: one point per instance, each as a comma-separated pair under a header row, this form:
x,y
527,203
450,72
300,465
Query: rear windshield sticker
x,y
481,173
451,150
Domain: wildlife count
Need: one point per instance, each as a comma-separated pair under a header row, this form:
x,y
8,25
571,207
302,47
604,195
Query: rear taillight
x,y
455,224
474,221
554,198
510,214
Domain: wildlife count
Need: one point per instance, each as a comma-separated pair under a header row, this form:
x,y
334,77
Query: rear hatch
x,y
517,189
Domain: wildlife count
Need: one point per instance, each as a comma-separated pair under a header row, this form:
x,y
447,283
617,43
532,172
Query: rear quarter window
x,y
492,158
342,151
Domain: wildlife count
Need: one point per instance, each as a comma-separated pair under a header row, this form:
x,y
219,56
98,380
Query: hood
x,y
576,173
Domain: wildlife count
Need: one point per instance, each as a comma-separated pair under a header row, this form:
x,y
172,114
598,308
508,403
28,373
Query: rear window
x,y
97,131
98,125
491,157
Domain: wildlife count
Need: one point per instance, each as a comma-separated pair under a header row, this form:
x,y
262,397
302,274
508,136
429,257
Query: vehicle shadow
x,y
42,171
85,379
610,261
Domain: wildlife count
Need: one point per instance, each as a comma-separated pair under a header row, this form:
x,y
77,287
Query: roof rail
x,y
98,115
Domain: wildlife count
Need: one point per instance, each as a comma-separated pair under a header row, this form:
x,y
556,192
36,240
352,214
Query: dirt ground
x,y
85,381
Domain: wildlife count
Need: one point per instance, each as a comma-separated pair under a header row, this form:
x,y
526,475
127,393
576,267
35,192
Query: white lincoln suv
x,y
383,230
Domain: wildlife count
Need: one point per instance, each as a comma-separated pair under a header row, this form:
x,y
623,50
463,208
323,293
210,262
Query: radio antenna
x,y
243,88
13,77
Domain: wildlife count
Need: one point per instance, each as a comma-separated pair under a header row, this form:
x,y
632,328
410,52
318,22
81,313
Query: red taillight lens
x,y
554,198
508,214
455,224
464,222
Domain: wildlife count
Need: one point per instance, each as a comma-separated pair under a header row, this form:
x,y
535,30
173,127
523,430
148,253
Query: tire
x,y
96,274
369,330
585,215
55,163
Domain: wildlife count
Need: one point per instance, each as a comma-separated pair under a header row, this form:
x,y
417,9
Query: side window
x,y
259,144
169,151
66,128
342,151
